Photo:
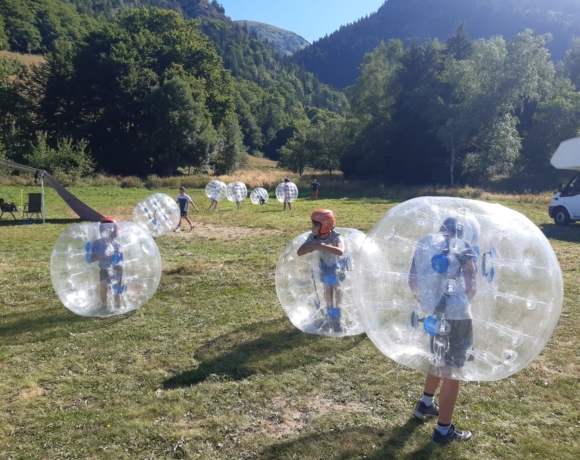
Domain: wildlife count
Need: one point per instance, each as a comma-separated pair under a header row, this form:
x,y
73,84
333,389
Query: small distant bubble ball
x,y
316,290
100,270
458,288
158,214
216,190
287,192
236,191
259,196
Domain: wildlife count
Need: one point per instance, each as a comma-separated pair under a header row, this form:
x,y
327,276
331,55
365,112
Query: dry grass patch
x,y
26,59
219,233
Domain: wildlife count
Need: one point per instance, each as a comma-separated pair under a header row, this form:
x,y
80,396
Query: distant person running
x,y
183,200
314,186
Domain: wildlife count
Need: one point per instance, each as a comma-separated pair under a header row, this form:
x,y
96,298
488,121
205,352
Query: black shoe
x,y
453,435
424,412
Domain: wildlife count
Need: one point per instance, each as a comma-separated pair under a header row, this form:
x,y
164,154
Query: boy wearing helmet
x,y
107,252
442,279
330,245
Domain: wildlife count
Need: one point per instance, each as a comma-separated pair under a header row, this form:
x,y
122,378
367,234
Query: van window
x,y
573,187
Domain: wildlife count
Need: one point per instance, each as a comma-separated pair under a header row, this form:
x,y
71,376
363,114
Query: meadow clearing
x,y
211,368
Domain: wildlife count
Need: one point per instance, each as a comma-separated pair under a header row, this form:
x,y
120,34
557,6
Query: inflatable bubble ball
x,y
259,196
158,214
216,190
236,191
105,269
287,192
316,290
458,288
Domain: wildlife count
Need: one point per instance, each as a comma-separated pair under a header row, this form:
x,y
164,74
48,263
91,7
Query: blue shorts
x,y
331,275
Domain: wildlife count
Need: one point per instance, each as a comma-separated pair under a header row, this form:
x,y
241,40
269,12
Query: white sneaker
x,y
177,229
192,226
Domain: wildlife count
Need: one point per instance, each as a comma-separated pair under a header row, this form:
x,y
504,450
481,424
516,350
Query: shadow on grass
x,y
30,327
569,233
267,347
360,442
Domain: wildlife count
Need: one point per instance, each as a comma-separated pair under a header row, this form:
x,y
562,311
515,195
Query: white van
x,y
565,205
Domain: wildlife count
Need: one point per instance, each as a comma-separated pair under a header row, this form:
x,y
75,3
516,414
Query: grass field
x,y
211,368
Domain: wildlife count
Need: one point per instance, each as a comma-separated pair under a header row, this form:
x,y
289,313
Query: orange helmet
x,y
109,227
326,219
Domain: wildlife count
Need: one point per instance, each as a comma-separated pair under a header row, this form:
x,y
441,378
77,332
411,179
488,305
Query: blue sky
x,y
312,19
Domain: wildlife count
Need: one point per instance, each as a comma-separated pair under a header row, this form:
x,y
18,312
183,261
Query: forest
x,y
148,90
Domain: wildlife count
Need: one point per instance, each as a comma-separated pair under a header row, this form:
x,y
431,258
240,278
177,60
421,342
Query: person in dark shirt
x,y
314,186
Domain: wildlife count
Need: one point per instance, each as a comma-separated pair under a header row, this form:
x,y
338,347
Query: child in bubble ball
x,y
107,252
330,245
443,282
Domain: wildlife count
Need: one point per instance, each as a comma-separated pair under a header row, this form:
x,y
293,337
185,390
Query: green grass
x,y
211,368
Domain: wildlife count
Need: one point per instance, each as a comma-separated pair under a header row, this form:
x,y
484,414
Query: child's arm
x,y
306,248
469,276
318,245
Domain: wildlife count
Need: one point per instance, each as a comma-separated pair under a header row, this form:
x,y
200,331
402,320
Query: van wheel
x,y
561,217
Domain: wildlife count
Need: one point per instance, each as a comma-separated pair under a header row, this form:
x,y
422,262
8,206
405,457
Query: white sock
x,y
443,429
427,400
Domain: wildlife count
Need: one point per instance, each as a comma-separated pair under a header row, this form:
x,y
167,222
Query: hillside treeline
x,y
335,58
461,111
148,92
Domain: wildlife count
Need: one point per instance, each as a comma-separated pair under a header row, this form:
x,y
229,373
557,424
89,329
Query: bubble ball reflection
x,y
236,192
216,190
423,261
99,273
318,297
259,196
286,192
158,214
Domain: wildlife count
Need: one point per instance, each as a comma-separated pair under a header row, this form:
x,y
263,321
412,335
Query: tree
x,y
180,129
230,151
99,90
327,145
295,155
69,157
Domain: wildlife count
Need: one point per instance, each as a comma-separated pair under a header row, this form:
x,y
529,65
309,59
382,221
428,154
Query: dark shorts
x,y
117,278
458,341
331,274
183,213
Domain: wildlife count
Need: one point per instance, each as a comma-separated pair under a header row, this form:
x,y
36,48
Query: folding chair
x,y
34,205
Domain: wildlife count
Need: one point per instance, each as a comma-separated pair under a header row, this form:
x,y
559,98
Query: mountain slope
x,y
335,58
283,41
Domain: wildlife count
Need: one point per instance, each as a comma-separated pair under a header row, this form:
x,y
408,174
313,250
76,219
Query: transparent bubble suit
x,y
158,214
287,191
216,190
236,191
259,196
301,290
514,310
132,272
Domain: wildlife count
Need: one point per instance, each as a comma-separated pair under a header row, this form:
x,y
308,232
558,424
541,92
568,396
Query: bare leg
x,y
431,384
447,400
103,292
338,296
289,206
